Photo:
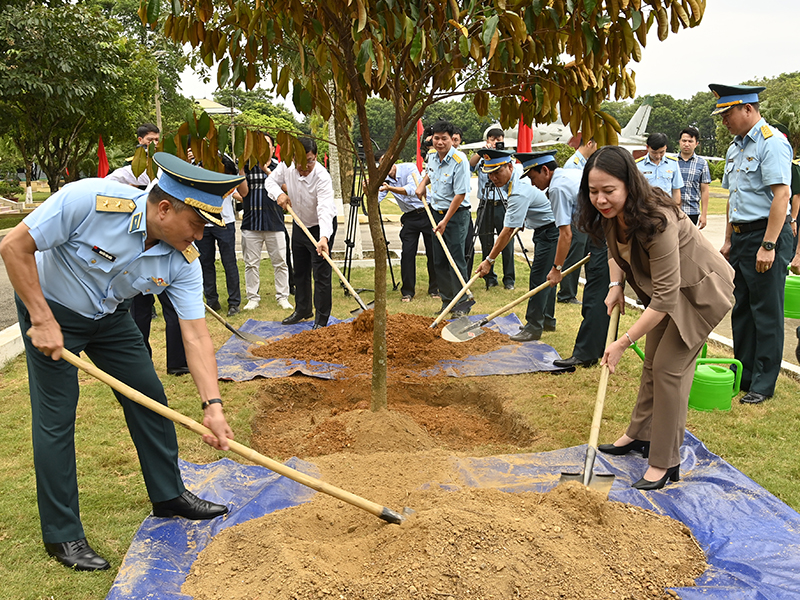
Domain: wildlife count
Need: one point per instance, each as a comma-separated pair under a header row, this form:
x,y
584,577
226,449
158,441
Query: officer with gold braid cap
x,y
74,263
758,238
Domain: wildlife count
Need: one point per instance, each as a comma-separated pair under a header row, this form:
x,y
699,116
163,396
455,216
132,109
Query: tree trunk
x,y
379,365
158,105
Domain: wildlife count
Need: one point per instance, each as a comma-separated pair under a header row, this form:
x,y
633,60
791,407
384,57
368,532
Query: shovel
x,y
362,307
463,329
382,512
243,335
454,301
470,298
601,482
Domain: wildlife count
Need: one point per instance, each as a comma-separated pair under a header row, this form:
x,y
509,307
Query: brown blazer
x,y
680,273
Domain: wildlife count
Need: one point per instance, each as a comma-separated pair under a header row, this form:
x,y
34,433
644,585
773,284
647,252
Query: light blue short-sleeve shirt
x,y
90,260
407,177
563,194
576,161
449,178
753,163
665,175
527,204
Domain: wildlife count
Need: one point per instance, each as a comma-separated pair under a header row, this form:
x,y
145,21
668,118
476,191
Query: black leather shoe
x,y
673,474
574,362
189,506
635,445
233,310
526,334
753,398
216,306
77,555
179,371
317,326
491,284
296,317
570,301
549,327
509,286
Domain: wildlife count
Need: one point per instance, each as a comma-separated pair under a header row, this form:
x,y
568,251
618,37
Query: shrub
x,y
10,189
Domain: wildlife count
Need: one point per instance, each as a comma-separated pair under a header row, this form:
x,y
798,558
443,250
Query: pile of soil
x,y
411,344
459,543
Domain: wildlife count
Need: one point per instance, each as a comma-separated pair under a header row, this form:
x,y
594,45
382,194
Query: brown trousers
x,y
659,414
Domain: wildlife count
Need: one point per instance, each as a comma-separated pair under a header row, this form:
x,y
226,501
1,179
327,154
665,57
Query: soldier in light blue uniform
x,y
758,238
579,247
661,169
529,207
74,264
562,186
447,171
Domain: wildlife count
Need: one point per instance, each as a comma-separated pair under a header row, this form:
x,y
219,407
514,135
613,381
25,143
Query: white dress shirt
x,y
311,196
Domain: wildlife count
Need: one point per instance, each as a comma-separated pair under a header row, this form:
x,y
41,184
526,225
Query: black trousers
x,y
225,238
490,219
142,313
545,242
416,224
757,315
115,345
578,248
306,262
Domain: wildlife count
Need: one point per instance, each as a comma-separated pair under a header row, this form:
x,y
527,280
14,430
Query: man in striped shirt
x,y
696,177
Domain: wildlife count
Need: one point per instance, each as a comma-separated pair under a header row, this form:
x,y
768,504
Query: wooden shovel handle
x,y
444,244
328,258
251,455
594,433
454,301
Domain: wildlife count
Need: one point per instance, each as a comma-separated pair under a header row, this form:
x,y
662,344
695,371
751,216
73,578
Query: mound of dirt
x,y
411,344
460,543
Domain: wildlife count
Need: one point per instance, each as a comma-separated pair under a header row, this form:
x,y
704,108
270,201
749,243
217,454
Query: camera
x,y
500,146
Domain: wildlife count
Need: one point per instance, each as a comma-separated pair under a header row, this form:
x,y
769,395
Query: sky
x,y
738,40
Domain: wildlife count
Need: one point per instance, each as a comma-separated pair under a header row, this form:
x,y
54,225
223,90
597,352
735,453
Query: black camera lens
x,y
500,146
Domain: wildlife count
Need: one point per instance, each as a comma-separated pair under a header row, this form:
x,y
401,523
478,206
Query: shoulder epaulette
x,y
675,158
766,131
113,204
510,188
431,151
191,253
457,158
796,161
576,160
641,158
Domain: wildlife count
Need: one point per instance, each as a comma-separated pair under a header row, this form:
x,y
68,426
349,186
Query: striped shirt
x,y
260,211
694,172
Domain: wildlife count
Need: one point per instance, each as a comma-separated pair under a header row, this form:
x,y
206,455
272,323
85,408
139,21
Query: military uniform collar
x,y
138,223
754,131
447,156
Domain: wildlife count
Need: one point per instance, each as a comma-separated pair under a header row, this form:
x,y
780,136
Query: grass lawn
x,y
758,440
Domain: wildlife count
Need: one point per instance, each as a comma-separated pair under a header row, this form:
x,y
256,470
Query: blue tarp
x,y
236,363
750,537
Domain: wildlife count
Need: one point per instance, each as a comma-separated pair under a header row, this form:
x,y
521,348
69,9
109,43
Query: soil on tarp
x,y
411,344
460,542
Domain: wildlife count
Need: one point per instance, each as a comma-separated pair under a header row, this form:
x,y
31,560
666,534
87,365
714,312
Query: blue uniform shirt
x,y
408,178
483,182
563,194
753,163
665,175
527,204
449,178
576,161
90,260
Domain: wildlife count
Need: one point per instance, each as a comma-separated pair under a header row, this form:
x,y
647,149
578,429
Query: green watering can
x,y
713,385
791,297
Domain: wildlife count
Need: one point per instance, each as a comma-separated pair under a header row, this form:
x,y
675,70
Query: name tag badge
x,y
103,253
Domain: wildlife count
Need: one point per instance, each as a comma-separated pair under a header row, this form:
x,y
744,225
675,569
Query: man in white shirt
x,y
309,191
146,134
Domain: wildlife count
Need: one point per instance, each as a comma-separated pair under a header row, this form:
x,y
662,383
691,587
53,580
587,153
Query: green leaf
x,y
463,46
238,141
537,6
223,72
539,93
223,133
302,99
364,54
176,7
416,48
169,145
588,6
203,125
153,10
489,27
636,19
191,123
139,163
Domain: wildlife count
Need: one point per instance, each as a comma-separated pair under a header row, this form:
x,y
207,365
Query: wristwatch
x,y
491,260
768,245
558,267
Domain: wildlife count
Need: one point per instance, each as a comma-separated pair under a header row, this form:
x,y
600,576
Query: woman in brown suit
x,y
685,284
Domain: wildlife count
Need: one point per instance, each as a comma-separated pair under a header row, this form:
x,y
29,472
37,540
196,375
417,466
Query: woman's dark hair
x,y
645,206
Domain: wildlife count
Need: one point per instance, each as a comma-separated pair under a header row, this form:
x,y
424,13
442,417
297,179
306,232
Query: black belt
x,y
551,225
416,211
459,209
759,225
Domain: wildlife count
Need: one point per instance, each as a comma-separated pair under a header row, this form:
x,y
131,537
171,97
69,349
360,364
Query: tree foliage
x,y
540,58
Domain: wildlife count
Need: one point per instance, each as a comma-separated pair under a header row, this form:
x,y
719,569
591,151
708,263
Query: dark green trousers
x,y
454,235
568,288
757,315
115,345
545,241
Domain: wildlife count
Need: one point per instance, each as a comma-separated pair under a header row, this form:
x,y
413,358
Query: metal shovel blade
x,y
601,482
243,335
359,310
462,330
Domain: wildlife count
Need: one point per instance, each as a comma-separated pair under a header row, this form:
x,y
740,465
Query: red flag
x,y
326,161
524,136
278,151
102,162
420,133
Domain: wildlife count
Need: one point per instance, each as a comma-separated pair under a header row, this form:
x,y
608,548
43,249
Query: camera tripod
x,y
484,220
356,203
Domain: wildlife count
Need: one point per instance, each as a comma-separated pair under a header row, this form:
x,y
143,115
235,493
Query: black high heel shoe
x,y
637,445
673,474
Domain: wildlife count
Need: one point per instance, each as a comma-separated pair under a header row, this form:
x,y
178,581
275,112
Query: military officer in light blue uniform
x,y
562,188
447,171
661,169
74,263
758,238
529,207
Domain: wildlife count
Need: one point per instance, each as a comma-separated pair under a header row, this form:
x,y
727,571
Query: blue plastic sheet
x,y
750,537
236,363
